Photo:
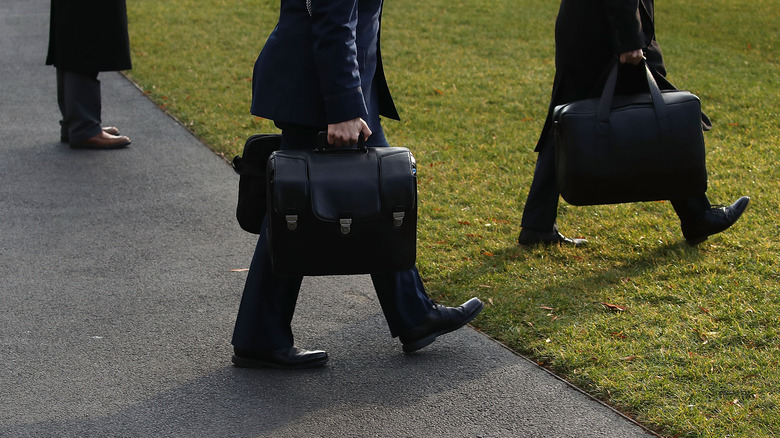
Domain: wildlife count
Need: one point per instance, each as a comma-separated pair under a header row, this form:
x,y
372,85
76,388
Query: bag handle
x,y
324,147
605,104
664,84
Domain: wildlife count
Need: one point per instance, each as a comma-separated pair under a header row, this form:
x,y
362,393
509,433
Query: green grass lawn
x,y
695,351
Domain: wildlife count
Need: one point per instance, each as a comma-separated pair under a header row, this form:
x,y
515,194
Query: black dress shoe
x,y
292,358
533,237
715,220
439,321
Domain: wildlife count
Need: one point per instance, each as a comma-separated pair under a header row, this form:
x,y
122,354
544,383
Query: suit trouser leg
x,y
267,304
691,210
79,100
541,206
403,299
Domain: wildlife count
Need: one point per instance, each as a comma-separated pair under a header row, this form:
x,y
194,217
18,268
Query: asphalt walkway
x,y
118,297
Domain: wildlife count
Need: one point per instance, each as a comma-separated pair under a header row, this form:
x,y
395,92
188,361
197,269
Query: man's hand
x,y
633,57
347,133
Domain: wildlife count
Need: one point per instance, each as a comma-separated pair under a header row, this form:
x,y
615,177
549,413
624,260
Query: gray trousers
x,y
78,96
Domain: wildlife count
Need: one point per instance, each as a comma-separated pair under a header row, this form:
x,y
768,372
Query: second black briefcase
x,y
251,168
643,147
337,211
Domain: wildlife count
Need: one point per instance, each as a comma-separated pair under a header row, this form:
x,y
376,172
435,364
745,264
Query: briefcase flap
x,y
360,186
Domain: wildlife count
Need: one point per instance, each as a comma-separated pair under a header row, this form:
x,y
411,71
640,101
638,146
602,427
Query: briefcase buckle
x,y
292,221
398,218
346,225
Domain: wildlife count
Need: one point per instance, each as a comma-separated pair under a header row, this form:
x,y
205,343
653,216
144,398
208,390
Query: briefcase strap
x,y
605,105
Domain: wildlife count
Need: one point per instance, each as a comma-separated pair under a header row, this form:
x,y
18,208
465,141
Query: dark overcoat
x,y
88,36
322,64
589,36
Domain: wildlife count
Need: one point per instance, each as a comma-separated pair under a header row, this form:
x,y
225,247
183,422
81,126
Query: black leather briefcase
x,y
251,167
616,149
342,211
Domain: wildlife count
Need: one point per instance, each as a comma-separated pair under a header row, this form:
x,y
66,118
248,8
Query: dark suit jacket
x,y
322,64
589,35
89,35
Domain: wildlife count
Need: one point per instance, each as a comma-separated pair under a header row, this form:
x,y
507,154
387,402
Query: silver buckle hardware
x,y
346,225
292,221
398,218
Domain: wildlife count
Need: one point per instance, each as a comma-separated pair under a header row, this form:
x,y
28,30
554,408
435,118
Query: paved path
x,y
117,300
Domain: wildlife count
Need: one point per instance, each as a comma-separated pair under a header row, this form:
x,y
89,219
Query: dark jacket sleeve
x,y
334,24
625,24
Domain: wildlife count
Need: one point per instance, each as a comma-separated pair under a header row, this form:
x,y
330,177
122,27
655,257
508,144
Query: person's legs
x,y
79,100
263,336
541,206
64,134
78,97
267,305
403,299
691,210
268,301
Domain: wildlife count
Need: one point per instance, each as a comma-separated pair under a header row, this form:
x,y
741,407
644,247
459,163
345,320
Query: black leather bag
x,y
342,211
251,168
643,147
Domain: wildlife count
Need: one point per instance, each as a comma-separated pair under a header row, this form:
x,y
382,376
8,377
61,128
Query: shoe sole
x,y
95,147
543,243
575,243
424,342
696,241
242,362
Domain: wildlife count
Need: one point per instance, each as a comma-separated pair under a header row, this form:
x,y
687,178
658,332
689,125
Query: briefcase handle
x,y
324,147
605,104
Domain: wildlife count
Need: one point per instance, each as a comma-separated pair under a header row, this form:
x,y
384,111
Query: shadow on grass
x,y
523,286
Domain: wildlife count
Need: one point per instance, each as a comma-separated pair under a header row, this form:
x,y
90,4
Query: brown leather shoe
x,y
102,141
113,130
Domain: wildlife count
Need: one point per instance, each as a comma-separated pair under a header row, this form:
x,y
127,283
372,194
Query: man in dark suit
x,y
321,69
85,38
589,36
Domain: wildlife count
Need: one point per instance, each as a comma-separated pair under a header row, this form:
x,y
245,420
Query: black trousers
x,y
268,302
541,206
78,96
